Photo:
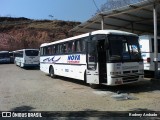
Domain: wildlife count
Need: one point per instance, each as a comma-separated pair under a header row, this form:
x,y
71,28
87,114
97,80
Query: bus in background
x,y
147,48
4,57
27,57
107,57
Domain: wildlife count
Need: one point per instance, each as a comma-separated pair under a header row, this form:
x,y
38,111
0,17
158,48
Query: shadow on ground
x,y
23,108
72,80
31,68
142,86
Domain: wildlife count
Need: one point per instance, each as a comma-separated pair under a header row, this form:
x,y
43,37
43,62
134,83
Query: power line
x,y
96,5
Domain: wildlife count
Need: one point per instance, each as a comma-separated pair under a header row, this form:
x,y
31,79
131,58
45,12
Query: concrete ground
x,y
32,90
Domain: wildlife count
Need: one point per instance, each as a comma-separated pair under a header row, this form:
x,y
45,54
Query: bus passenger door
x,y
92,75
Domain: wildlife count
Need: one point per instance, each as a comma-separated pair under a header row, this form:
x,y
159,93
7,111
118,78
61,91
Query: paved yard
x,y
32,90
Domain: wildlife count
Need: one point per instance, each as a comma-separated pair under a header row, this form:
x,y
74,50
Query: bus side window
x,y
41,51
61,48
52,50
83,47
65,47
44,52
70,47
78,47
56,49
73,46
49,50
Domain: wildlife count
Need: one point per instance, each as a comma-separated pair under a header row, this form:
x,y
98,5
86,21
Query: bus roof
x,y
4,51
117,32
25,49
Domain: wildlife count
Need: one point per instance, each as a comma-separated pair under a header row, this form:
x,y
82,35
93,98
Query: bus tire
x,y
94,86
51,72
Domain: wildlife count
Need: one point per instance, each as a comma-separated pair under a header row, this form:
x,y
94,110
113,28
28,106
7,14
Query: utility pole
x,y
102,23
155,42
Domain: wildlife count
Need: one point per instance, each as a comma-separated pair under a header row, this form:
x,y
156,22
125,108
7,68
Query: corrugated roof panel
x,y
127,17
115,22
142,14
138,16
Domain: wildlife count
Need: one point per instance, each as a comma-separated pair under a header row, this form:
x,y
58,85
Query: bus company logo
x,y
51,60
74,59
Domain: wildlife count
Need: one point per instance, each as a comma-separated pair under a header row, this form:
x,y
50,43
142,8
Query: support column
x,y
155,42
102,23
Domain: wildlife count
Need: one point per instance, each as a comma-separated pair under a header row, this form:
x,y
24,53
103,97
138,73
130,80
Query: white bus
x,y
27,57
147,48
107,57
4,57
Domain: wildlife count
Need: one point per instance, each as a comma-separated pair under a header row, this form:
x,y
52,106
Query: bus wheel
x,y
94,86
51,72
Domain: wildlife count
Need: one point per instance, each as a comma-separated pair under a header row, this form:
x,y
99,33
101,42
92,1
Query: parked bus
x,y
27,57
107,57
4,57
147,48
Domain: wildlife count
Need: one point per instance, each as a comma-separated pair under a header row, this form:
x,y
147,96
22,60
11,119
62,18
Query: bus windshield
x,y
31,52
124,48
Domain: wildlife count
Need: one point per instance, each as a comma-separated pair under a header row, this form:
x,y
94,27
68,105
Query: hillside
x,y
19,33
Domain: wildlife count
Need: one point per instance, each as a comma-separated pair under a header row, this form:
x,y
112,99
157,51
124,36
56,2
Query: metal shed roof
x,y
136,18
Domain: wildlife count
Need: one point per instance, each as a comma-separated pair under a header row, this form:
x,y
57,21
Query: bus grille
x,y
130,79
